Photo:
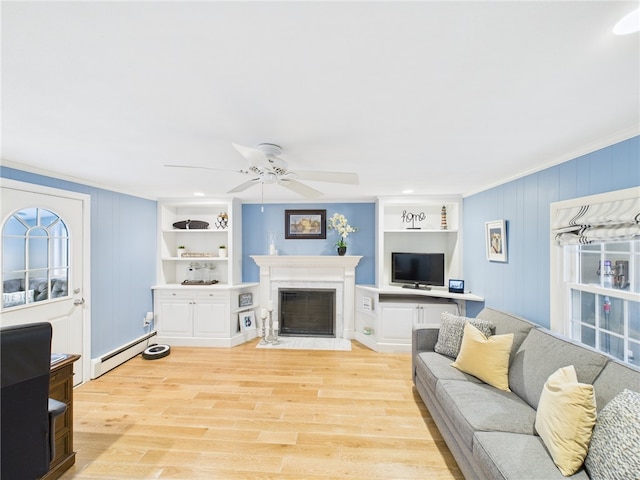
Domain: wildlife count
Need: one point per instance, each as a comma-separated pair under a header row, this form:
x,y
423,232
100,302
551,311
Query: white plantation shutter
x,y
598,222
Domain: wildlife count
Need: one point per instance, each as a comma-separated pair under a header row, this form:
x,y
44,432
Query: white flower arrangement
x,y
340,224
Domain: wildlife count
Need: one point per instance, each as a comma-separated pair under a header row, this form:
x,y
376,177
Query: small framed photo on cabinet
x,y
247,321
245,300
367,304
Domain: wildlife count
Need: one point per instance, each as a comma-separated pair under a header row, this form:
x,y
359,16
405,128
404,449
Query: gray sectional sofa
x,y
491,432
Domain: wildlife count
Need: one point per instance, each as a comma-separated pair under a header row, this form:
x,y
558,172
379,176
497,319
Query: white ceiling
x,y
440,97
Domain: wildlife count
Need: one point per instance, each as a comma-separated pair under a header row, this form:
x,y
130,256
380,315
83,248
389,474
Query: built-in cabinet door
x,y
397,321
175,316
210,315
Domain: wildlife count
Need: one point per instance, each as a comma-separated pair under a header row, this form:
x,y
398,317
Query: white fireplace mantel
x,y
306,261
312,271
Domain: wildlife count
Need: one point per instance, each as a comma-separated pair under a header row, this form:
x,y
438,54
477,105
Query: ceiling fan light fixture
x,y
270,149
628,24
269,178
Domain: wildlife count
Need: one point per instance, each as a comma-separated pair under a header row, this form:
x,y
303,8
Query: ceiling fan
x,y
267,167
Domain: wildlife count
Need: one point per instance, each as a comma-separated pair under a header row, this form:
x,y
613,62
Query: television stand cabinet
x,y
384,317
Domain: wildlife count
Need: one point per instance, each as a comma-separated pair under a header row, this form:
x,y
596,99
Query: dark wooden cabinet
x,y
61,389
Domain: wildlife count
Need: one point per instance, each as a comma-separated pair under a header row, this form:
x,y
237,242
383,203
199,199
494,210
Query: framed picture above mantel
x,y
305,224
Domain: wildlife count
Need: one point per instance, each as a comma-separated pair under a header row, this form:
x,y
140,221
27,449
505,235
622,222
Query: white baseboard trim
x,y
222,342
110,360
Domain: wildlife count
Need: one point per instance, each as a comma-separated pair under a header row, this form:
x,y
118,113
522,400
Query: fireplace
x,y
307,312
311,272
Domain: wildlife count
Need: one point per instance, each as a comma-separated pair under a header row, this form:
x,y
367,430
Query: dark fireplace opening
x,y
307,312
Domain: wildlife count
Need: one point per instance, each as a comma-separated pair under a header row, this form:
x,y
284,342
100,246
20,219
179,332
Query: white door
x,y
68,313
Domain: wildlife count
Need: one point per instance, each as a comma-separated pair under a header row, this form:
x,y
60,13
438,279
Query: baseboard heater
x,y
110,360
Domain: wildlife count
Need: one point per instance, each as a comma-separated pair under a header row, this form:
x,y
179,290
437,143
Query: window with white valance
x,y
598,222
595,272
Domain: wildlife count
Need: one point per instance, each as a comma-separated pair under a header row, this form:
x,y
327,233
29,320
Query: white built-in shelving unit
x,y
385,313
202,314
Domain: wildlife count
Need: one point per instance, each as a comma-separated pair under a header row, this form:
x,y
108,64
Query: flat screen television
x,y
417,270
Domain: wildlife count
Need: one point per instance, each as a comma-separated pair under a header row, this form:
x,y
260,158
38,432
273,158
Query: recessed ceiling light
x,y
407,191
198,194
630,23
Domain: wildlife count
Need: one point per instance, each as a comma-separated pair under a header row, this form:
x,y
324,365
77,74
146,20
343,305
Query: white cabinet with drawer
x,y
200,316
384,318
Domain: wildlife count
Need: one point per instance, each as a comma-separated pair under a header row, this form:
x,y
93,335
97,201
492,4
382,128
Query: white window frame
x,y
57,260
564,259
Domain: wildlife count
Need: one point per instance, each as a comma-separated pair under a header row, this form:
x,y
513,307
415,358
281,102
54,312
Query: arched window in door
x,y
35,257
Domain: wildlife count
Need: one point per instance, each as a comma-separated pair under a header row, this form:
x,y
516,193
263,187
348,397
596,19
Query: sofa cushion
x,y
17,298
614,452
432,367
503,455
471,407
507,323
485,358
541,354
565,418
613,379
451,330
58,287
13,285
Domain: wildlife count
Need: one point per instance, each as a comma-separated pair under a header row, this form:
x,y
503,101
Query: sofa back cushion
x,y
506,323
613,379
541,354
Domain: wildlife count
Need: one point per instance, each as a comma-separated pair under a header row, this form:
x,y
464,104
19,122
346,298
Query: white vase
x,y
222,252
180,251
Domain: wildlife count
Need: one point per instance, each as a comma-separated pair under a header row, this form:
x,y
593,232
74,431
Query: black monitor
x,y
417,270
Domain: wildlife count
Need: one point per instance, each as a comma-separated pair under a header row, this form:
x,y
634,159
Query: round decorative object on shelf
x,y
342,251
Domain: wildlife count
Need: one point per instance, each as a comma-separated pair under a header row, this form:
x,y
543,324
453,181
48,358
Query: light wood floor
x,y
247,413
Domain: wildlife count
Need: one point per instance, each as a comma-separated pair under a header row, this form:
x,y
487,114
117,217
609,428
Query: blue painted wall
x,y
123,240
123,260
258,225
521,285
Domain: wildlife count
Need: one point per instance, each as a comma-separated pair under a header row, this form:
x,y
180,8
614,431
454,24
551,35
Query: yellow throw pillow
x,y
565,419
485,358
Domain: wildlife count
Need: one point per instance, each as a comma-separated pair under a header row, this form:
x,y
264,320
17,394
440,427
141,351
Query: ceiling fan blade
x,y
244,186
333,177
300,188
254,156
206,168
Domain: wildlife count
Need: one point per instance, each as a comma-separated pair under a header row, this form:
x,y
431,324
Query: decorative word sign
x,y
443,218
408,217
